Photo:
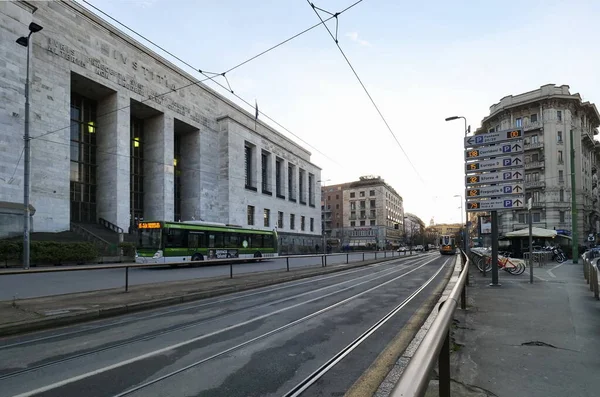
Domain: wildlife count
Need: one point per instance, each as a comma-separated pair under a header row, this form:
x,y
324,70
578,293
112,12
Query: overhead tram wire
x,y
364,88
223,74
192,82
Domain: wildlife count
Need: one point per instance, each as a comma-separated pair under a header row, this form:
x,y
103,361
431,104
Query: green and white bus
x,y
169,242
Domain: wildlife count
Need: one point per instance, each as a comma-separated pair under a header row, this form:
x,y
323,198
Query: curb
x,y
97,314
386,387
377,376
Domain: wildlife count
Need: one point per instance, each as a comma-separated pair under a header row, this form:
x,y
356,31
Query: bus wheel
x,y
197,257
257,254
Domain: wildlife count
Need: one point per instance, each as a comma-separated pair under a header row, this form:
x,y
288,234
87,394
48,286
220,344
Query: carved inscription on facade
x,y
130,82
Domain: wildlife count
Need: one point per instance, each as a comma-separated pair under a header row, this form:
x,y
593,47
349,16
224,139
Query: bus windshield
x,y
149,239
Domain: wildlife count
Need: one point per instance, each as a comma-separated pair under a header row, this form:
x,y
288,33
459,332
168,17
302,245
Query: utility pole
x,y
574,234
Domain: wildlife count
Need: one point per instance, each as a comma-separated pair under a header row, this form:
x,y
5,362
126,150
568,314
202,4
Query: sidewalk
x,y
521,339
33,314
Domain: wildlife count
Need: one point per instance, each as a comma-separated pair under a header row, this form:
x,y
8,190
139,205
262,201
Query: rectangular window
x,y
363,205
535,157
363,215
302,222
292,221
561,216
280,220
362,223
533,118
522,218
352,214
372,215
353,205
267,217
519,122
265,172
534,139
559,137
279,177
250,213
562,195
352,194
248,168
301,187
352,223
372,203
362,194
559,115
560,157
312,224
311,190
560,176
372,222
371,192
291,182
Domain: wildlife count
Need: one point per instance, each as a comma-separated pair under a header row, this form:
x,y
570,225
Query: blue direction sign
x,y
494,164
514,175
493,137
495,191
496,204
513,147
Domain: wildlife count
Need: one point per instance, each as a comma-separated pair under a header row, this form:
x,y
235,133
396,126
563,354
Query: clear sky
x,y
421,62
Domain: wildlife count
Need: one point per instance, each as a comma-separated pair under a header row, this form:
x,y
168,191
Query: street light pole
x,y
25,41
467,237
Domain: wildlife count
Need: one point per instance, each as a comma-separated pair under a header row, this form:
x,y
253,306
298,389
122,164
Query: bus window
x,y
211,241
257,241
195,239
232,241
268,242
176,238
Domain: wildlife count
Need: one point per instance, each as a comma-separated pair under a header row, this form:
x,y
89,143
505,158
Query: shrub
x,y
128,249
49,252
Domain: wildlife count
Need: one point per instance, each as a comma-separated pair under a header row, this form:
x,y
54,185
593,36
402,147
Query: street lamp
x,y
324,211
467,130
24,41
461,219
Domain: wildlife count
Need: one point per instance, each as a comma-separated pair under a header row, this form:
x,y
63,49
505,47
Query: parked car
x,y
419,248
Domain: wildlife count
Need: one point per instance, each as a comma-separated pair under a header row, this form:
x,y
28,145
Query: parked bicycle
x,y
504,262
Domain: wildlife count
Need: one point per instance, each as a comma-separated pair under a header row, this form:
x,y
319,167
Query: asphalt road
x,y
262,342
34,285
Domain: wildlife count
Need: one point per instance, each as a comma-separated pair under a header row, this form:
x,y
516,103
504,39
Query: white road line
x,y
555,267
189,341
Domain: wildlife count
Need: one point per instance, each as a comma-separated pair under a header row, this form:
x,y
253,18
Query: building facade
x,y
548,117
363,213
121,134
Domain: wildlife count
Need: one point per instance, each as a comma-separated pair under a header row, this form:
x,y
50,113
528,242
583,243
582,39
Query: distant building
x,y
363,213
548,115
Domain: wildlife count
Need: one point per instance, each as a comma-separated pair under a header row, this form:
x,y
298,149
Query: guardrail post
x,y
287,263
347,258
325,261
363,256
375,254
444,367
230,269
126,278
384,254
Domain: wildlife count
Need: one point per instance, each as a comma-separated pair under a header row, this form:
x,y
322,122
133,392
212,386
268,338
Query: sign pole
x,y
529,203
494,249
574,234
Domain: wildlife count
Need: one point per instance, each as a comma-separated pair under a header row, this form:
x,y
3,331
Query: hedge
x,y
128,249
49,252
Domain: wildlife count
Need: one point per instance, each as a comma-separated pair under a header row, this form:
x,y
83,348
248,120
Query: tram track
x,y
205,321
189,308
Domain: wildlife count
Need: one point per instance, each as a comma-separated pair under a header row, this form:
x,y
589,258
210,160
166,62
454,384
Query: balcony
x,y
535,184
532,126
535,145
519,226
534,164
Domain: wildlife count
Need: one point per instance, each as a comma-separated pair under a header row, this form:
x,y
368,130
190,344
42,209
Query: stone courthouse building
x,y
120,134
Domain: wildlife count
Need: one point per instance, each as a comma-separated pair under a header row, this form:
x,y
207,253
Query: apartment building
x,y
363,213
549,116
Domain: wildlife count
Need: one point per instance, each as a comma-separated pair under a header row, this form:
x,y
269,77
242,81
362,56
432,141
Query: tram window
x,y
195,239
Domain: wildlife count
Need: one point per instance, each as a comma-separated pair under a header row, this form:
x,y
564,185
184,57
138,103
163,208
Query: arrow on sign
x,y
518,202
516,146
517,160
470,140
517,174
518,188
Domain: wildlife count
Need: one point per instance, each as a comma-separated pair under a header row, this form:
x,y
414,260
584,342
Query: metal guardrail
x,y
539,257
435,346
228,261
591,272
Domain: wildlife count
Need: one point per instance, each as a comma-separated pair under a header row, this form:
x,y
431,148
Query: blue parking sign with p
x,y
507,162
508,175
506,149
507,189
507,203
